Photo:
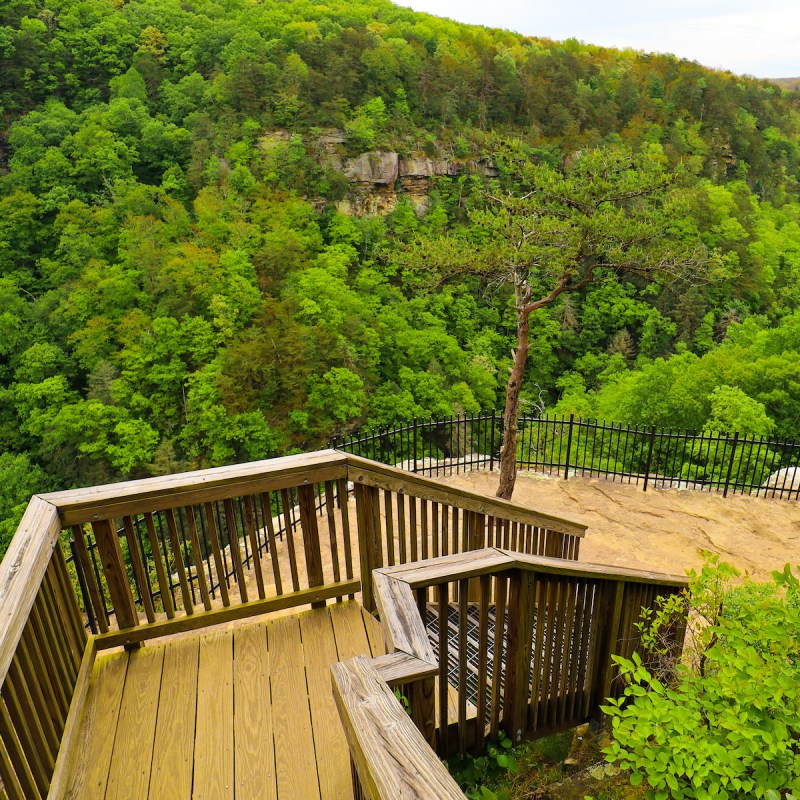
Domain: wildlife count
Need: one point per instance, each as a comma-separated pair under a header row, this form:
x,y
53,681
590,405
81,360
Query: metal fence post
x,y
649,457
491,446
569,446
730,465
415,445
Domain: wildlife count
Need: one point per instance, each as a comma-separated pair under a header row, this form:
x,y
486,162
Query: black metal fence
x,y
567,446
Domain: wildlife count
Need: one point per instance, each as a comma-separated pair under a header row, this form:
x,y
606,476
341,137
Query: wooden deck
x,y
235,714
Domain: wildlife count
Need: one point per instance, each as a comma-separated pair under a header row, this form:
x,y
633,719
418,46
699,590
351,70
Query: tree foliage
x,y
179,287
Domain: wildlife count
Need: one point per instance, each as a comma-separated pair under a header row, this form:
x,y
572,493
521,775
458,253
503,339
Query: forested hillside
x,y
180,286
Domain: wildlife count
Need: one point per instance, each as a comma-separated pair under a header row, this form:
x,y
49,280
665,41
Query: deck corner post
x,y
369,531
116,574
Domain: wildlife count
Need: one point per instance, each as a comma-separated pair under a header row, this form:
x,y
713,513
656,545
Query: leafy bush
x,y
728,725
472,774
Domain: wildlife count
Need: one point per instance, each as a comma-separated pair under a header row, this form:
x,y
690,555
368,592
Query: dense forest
x,y
183,282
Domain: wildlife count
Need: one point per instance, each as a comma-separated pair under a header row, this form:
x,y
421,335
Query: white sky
x,y
752,37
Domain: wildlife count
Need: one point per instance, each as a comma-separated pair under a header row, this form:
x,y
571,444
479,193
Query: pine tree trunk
x,y
508,452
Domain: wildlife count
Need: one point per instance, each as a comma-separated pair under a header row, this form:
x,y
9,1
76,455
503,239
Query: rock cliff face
x,y
378,179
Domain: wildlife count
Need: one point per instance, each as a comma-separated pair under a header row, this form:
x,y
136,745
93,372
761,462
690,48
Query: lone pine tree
x,y
554,232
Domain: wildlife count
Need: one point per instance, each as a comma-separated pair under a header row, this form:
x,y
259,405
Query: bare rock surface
x,y
662,529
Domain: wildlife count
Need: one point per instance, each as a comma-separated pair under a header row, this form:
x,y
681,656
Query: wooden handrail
x,y
22,571
564,622
374,722
170,491
373,473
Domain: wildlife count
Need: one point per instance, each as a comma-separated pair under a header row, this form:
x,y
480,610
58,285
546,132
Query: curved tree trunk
x,y
508,452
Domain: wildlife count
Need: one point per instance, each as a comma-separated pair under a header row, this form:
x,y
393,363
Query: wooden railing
x,y
43,654
406,518
164,555
525,642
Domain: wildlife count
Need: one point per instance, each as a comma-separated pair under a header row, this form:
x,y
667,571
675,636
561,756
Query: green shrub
x,y
727,726
479,777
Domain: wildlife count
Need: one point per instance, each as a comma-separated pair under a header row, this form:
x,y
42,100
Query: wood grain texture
x,y
319,651
90,759
295,765
115,573
129,774
444,569
253,730
391,757
172,491
21,573
349,630
71,735
399,668
213,743
559,566
375,635
400,618
173,749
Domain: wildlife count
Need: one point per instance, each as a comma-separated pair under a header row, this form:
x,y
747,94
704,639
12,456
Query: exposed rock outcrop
x,y
378,178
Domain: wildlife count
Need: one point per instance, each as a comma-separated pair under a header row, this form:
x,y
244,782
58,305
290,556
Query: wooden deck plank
x,y
129,774
349,630
213,744
295,765
173,751
92,756
333,760
377,641
252,727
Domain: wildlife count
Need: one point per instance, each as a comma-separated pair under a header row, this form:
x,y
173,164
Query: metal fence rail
x,y
730,463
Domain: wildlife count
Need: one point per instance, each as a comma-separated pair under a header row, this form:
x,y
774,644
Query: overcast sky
x,y
757,37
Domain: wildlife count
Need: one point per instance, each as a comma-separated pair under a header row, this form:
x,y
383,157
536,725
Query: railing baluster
x,y
287,521
401,527
423,513
483,660
443,611
197,557
232,528
177,554
161,575
330,512
463,599
115,573
252,533
30,739
213,535
412,527
138,569
14,767
272,542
